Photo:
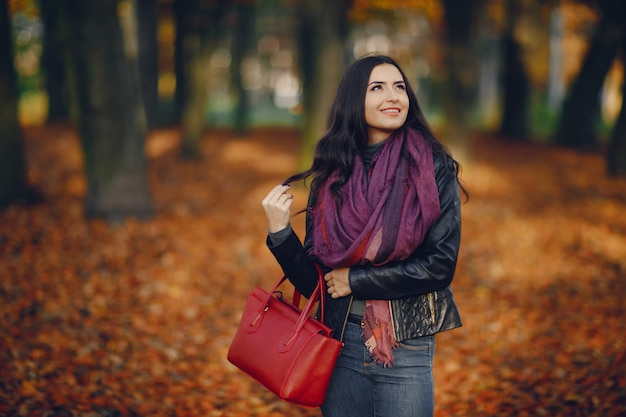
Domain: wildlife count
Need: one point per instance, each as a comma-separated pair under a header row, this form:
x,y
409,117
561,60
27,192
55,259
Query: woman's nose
x,y
393,96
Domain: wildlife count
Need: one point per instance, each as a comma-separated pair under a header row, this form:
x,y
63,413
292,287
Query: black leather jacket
x,y
418,287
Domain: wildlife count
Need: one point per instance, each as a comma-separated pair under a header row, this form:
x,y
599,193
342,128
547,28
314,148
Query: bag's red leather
x,y
284,348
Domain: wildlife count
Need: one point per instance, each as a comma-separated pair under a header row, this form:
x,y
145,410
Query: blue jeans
x,y
360,387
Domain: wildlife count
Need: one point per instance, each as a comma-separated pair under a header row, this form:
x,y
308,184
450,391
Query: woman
x,y
383,219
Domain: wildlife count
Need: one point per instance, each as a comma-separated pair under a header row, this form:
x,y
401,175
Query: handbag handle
x,y
287,343
320,282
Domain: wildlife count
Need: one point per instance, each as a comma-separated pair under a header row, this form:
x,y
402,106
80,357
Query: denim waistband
x,y
353,318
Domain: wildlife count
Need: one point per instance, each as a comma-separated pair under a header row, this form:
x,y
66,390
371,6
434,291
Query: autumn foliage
x,y
136,319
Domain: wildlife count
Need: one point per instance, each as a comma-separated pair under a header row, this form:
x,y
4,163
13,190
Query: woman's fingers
x,y
338,283
277,204
277,193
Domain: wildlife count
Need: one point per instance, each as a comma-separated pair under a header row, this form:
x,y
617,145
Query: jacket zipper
x,y
393,321
431,302
345,319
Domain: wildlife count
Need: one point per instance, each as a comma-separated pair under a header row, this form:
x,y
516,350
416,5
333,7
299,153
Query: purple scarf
x,y
384,216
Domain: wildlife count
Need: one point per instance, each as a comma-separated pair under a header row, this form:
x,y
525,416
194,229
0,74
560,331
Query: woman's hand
x,y
277,206
338,283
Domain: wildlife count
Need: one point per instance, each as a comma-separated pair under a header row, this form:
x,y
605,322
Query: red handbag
x,y
285,349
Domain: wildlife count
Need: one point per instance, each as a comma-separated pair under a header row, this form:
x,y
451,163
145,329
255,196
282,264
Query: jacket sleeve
x,y
295,263
431,266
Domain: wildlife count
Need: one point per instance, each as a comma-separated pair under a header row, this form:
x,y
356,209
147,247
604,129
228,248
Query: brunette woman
x,y
384,221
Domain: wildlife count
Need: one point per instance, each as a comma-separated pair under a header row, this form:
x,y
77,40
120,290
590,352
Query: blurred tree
x,y
54,44
197,31
322,27
459,18
148,58
514,124
241,42
616,156
111,117
180,9
13,183
581,109
556,82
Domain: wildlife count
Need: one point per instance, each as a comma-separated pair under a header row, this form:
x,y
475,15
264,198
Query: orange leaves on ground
x,y
137,319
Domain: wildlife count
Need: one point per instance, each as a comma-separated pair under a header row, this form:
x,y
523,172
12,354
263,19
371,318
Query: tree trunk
x,y
111,117
52,61
197,95
461,77
179,8
13,184
148,58
199,25
322,32
241,43
556,85
514,123
581,109
489,64
616,157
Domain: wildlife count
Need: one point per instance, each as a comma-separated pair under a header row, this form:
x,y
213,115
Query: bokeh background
x,y
137,139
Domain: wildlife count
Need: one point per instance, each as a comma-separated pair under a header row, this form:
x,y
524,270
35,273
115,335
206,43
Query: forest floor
x,y
136,319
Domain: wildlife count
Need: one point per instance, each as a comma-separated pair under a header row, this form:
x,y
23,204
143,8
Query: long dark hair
x,y
347,129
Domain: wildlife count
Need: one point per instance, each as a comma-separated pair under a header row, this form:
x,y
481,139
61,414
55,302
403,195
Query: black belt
x,y
353,318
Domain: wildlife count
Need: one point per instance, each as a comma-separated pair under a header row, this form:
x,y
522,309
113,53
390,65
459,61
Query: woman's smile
x,y
394,111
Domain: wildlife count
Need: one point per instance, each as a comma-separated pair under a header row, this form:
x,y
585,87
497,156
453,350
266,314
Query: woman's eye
x,y
401,87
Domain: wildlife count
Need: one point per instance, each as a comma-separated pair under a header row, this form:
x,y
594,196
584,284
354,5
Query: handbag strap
x,y
306,312
322,285
296,294
318,294
320,282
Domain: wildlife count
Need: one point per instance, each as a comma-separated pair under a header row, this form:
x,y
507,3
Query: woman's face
x,y
386,102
